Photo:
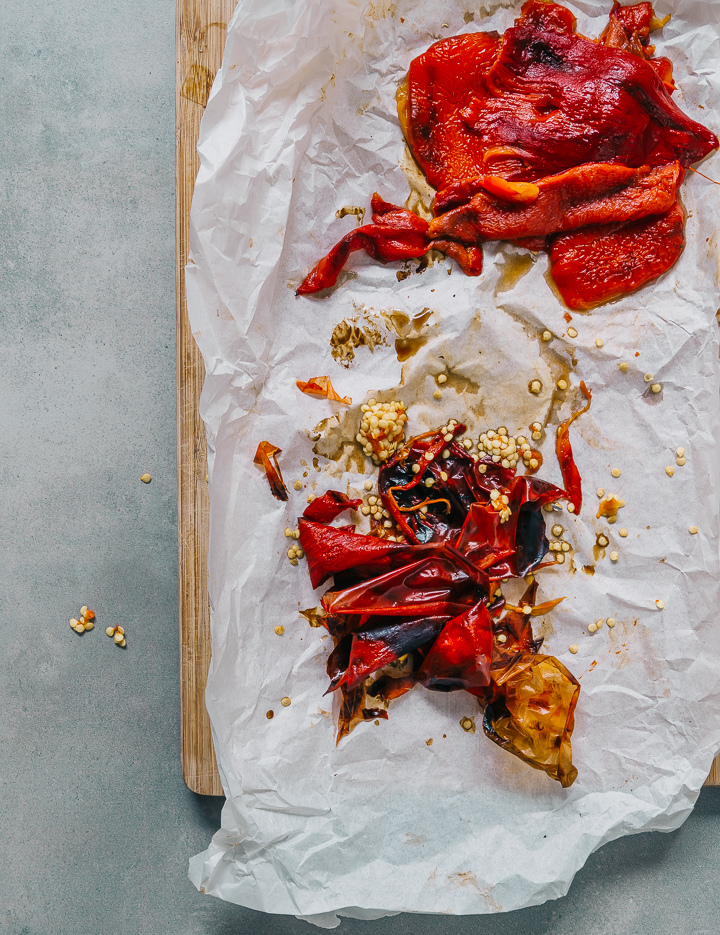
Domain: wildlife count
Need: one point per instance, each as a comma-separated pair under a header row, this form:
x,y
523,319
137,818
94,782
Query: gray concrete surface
x,y
96,825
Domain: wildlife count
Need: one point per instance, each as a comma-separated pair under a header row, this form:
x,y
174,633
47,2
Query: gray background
x,y
96,825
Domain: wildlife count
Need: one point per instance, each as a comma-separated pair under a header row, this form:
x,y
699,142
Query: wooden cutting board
x,y
201,28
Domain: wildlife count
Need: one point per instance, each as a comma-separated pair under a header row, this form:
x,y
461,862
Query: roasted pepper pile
x,y
427,610
547,139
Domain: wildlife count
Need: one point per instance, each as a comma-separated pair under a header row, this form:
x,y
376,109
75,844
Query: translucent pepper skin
x,y
329,506
265,452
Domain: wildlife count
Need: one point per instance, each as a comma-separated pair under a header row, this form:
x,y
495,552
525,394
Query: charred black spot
x,y
544,54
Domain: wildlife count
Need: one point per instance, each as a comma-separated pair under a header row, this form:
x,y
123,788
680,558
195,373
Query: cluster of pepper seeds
x,y
85,622
506,450
294,553
118,634
381,428
558,545
380,517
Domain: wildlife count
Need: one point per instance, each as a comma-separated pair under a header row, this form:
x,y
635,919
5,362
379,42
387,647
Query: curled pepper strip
x,y
570,473
266,451
326,508
539,609
322,387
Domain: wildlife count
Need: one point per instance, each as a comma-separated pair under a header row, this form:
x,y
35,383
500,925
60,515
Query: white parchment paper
x,y
301,122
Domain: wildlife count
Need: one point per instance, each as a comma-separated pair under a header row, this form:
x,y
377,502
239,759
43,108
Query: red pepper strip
x,y
382,241
338,661
326,508
460,656
523,193
373,649
265,451
329,550
533,714
570,473
322,387
441,584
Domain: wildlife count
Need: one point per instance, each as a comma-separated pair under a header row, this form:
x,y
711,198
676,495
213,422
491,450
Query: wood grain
x,y
200,31
200,36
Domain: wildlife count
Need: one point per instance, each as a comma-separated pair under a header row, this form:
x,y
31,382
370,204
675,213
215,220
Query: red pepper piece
x,y
440,83
597,193
533,714
563,448
373,649
460,656
329,550
596,264
266,451
395,234
338,661
326,508
442,584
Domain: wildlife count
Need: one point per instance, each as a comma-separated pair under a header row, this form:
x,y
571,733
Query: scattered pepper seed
x,y
311,497
562,384
591,628
535,387
624,366
603,541
285,701
659,604
693,530
571,507
502,638
560,558
572,332
557,530
648,378
123,642
656,387
680,452
599,342
598,624
74,622
669,470
298,485
614,556
368,485
270,715
109,631
119,637
680,461
145,478
467,724
279,630
437,394
565,546
600,492
610,622
429,742
288,532
547,336
616,472
623,532
442,378
573,648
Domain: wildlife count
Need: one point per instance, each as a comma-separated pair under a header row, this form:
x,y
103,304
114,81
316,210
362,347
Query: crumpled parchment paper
x,y
300,123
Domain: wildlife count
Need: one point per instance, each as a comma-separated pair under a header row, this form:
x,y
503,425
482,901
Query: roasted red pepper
x,y
538,133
